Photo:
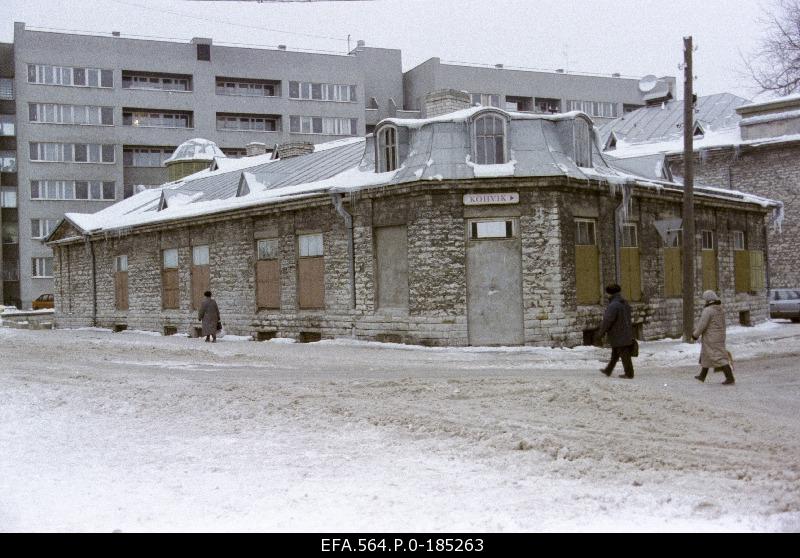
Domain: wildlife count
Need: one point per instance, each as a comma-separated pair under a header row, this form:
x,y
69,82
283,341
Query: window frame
x,y
707,241
35,267
493,116
736,236
388,151
510,229
592,229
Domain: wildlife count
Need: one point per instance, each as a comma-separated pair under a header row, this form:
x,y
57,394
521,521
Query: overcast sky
x,y
632,37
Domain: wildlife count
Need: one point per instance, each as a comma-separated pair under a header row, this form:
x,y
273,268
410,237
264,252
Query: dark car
x,y
44,301
785,303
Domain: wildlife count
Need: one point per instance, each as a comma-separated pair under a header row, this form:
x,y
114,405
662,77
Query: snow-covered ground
x,y
138,432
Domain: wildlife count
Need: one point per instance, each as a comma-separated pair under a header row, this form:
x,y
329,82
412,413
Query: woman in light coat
x,y
711,327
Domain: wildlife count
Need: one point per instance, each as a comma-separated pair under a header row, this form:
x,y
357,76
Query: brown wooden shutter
x,y
673,272
169,288
756,270
200,284
121,290
311,282
741,263
268,283
709,270
631,275
587,274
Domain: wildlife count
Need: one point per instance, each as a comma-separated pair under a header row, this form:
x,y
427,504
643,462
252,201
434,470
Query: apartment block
x,y
97,115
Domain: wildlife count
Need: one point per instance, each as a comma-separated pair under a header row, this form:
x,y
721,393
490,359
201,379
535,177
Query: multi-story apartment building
x,y
9,220
99,115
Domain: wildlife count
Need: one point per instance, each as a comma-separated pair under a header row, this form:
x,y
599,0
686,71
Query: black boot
x,y
702,375
728,375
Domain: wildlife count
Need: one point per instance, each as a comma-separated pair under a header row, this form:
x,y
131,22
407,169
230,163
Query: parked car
x,y
785,303
44,301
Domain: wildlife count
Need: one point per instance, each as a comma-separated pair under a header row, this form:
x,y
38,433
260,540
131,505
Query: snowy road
x,y
102,431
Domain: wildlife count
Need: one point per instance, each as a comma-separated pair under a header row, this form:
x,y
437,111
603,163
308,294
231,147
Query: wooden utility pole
x,y
688,192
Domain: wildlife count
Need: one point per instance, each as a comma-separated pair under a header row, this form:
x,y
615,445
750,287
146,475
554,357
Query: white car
x,y
785,303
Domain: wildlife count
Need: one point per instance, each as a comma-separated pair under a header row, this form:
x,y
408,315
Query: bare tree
x,y
775,66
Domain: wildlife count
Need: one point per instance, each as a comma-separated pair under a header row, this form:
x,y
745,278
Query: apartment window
x,y
322,91
200,274
146,156
204,52
42,267
85,115
587,262
158,82
247,88
156,119
68,76
310,272
490,140
491,229
247,122
268,273
72,152
169,278
485,99
10,233
521,104
738,240
323,125
121,282
549,106
8,161
6,89
7,124
40,228
73,190
582,142
387,149
8,197
594,108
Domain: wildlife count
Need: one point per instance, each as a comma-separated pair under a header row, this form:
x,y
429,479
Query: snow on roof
x,y
776,100
196,149
464,115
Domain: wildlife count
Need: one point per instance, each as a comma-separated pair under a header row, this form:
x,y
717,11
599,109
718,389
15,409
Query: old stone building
x,y
475,227
751,147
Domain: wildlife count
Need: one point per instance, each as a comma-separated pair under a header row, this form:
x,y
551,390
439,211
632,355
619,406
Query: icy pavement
x,y
139,432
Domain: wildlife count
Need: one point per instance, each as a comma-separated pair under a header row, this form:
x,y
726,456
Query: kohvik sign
x,y
491,198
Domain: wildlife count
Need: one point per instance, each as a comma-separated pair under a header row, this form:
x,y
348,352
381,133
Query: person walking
x,y
711,327
209,315
617,323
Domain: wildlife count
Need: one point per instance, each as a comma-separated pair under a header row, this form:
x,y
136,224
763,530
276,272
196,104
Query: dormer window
x,y
490,140
387,149
582,142
698,130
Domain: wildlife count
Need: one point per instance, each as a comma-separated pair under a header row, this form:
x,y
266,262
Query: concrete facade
x,y
381,90
435,219
9,212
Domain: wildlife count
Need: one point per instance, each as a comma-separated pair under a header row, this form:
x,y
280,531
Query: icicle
x,y
777,218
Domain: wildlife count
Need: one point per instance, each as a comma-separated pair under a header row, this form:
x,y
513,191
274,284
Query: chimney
x,y
498,66
281,47
115,33
360,44
615,74
293,149
445,101
560,71
256,148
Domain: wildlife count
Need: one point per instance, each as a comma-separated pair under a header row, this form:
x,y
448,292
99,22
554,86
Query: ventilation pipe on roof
x,y
348,223
281,47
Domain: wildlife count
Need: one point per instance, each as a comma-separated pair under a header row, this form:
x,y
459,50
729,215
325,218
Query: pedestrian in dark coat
x,y
209,315
711,327
619,327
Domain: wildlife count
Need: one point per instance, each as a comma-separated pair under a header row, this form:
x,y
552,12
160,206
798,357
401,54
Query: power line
x,y
227,22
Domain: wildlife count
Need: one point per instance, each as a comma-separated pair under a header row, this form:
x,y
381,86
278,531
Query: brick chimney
x,y
295,148
256,148
445,101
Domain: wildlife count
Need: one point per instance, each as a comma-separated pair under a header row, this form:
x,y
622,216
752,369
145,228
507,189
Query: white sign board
x,y
491,199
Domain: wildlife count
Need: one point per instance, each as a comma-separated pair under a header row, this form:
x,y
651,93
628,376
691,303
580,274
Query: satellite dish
x,y
648,83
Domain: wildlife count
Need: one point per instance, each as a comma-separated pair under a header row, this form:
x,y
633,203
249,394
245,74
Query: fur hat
x,y
710,296
613,289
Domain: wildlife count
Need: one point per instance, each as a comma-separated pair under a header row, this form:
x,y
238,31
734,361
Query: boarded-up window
x,y
310,271
630,273
741,263
268,273
200,274
121,282
756,270
587,263
709,256
169,279
391,266
673,271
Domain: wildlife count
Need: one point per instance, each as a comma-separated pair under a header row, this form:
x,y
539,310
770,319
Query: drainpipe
x,y
766,257
94,282
348,222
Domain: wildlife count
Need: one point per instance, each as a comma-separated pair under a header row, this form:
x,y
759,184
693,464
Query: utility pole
x,y
688,192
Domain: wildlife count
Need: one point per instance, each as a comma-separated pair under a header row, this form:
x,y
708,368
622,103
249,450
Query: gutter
x,y
348,222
